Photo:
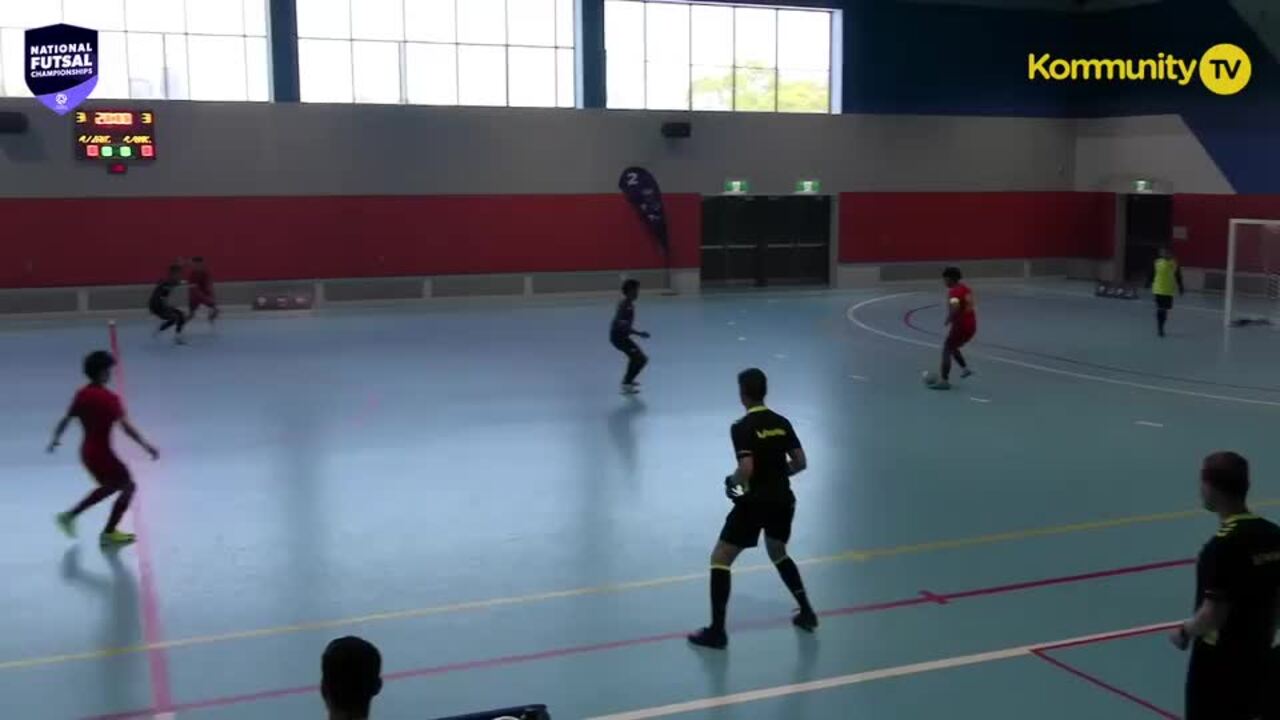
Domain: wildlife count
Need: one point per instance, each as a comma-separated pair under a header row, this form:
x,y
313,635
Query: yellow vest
x,y
1165,281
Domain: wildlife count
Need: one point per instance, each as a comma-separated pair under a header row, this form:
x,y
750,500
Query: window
x,y
153,49
517,53
674,55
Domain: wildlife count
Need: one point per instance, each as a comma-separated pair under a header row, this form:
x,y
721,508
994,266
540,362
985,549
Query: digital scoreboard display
x,y
115,135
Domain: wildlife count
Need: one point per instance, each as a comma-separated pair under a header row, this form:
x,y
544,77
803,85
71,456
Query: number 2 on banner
x,y
633,178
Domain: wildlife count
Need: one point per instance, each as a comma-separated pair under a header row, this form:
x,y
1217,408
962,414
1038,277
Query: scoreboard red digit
x,y
115,136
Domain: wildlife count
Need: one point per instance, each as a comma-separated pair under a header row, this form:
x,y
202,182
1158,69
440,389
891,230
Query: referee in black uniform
x,y
769,453
1233,674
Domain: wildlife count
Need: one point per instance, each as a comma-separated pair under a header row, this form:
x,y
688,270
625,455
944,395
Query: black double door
x,y
1148,227
763,240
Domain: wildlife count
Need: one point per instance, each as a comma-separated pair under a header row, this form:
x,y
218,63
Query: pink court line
x,y
914,601
1099,682
152,635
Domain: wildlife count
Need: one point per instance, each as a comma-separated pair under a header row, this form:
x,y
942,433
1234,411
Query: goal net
x,y
1253,272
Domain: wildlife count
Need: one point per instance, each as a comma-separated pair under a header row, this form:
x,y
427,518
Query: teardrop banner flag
x,y
61,65
641,189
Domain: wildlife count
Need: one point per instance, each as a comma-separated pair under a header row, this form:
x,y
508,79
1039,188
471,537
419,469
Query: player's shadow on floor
x,y
622,432
120,621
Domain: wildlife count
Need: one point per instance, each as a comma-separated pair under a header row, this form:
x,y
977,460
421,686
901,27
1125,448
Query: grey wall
x,y
1111,153
285,149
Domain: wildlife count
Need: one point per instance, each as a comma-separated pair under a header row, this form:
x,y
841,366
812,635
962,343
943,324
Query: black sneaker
x,y
807,621
710,638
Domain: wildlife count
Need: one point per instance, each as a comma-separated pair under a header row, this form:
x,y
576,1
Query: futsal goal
x,y
1252,282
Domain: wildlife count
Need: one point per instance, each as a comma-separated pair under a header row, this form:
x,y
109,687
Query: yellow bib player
x,y
1165,277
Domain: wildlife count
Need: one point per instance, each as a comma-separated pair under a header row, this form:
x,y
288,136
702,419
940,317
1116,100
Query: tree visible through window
x,y
689,56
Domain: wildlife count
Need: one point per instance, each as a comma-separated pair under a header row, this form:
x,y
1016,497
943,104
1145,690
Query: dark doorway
x,y
766,240
1148,227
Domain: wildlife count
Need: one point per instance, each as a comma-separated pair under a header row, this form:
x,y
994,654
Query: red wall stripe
x,y
1206,219
108,241
901,227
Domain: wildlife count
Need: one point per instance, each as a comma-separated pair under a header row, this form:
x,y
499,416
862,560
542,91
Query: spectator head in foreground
x,y
1224,482
351,676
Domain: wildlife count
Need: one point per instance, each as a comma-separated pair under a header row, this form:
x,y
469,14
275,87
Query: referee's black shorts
x,y
749,518
1229,687
1164,302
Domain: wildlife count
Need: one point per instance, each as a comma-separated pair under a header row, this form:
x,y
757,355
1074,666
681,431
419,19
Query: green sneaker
x,y
117,539
66,523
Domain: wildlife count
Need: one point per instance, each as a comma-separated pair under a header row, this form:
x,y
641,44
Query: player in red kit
x,y
963,321
99,409
200,290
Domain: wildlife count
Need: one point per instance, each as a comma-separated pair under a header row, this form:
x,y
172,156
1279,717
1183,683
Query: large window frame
x,y
162,56
539,66
629,76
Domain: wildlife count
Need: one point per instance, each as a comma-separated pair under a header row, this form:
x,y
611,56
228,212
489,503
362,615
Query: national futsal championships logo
x,y
1224,69
61,65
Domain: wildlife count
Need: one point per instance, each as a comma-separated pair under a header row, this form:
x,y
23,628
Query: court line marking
x,y
750,696
149,597
1148,423
851,314
858,378
1103,684
923,598
491,603
979,399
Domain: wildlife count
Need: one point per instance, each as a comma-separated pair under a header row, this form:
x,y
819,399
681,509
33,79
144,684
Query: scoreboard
x,y
115,135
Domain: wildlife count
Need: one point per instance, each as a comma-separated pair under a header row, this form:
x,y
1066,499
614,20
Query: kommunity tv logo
x,y
1224,69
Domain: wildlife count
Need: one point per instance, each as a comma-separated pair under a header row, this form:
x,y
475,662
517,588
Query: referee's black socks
x,y
721,581
791,576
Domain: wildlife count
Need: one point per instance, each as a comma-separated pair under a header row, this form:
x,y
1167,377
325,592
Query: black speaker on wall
x,y
12,123
677,129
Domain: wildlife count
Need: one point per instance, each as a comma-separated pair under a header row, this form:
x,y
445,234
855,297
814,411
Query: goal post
x,y
1251,287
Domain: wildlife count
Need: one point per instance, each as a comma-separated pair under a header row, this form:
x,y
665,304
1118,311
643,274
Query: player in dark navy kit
x,y
769,453
161,307
98,410
621,331
1233,670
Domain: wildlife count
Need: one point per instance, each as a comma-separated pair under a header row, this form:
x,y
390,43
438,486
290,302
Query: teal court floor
x,y
463,485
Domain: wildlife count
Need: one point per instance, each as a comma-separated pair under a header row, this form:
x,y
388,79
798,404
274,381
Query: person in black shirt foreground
x,y
769,453
161,307
620,333
1233,670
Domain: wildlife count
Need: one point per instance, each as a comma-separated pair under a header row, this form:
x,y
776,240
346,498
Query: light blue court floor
x,y
463,485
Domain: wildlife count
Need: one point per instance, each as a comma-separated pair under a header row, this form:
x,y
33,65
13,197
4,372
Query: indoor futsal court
x,y
503,529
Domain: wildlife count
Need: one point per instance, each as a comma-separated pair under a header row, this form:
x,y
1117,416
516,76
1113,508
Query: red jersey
x,y
200,280
98,410
960,298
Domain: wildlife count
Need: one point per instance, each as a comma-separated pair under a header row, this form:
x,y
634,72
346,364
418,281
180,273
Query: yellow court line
x,y
850,556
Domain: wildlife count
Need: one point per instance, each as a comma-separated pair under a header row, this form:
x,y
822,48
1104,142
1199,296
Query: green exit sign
x,y
1142,186
736,187
808,186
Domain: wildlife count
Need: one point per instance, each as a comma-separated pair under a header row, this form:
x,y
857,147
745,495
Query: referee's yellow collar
x,y
756,409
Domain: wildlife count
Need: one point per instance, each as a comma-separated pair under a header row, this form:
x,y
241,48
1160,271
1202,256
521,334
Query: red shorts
x,y
196,298
107,469
960,335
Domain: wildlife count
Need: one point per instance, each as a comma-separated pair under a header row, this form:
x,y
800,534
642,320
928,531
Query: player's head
x,y
1224,481
97,366
631,288
951,276
175,272
1166,251
752,387
350,677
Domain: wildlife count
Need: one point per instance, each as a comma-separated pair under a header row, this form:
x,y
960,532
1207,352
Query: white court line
x,y
979,400
851,314
1082,296
873,675
1148,423
859,378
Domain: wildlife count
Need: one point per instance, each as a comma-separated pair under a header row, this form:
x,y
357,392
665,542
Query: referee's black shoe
x,y
709,637
807,621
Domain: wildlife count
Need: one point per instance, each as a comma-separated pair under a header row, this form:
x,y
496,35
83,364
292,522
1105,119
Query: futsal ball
x,y
929,377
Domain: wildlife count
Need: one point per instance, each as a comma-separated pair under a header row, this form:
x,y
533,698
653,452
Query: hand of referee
x,y
732,490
